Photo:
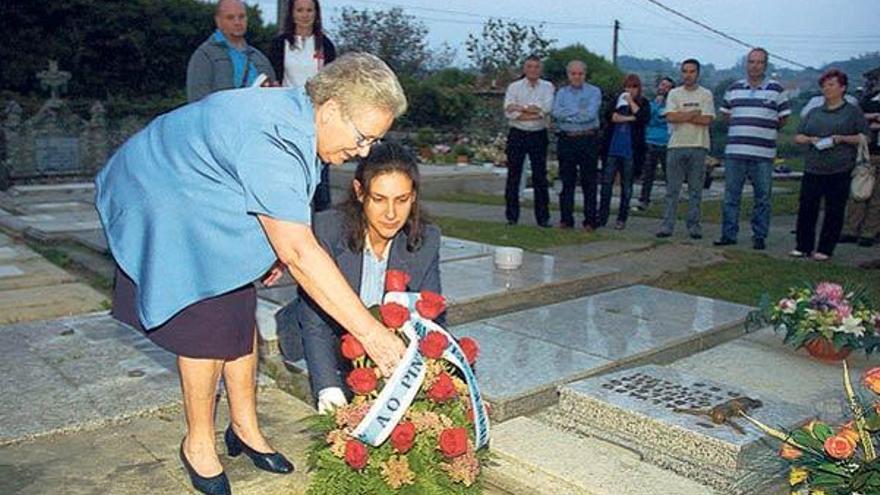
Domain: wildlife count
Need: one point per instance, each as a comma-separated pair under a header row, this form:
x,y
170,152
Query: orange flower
x,y
850,434
872,379
789,453
839,447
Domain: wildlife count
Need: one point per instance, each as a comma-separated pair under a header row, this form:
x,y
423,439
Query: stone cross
x,y
53,79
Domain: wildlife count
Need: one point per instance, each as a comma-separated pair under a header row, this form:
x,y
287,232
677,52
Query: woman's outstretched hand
x,y
384,347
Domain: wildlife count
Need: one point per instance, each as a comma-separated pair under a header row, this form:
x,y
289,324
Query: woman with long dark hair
x,y
380,227
297,54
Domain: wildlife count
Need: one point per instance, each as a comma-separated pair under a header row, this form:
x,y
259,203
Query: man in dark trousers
x,y
527,104
576,112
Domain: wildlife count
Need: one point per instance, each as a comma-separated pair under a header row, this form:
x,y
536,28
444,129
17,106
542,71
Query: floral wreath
x,y
424,429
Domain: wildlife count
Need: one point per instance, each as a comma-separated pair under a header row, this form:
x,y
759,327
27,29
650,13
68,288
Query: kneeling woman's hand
x,y
330,398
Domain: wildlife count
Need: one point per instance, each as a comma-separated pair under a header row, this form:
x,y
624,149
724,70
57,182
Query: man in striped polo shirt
x,y
756,107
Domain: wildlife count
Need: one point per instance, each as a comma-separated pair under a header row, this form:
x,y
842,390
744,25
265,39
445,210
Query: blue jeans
x,y
613,165
760,174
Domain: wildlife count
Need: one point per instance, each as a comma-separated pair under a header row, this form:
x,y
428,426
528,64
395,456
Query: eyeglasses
x,y
362,141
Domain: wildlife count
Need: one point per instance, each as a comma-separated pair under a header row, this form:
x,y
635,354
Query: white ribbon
x,y
401,388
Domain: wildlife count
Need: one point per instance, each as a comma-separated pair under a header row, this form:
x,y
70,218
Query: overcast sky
x,y
810,32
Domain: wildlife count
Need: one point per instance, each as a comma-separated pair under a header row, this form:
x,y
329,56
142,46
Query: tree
x,y
502,46
395,37
129,48
442,100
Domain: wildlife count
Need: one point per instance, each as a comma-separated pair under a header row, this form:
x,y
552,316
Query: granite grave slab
x,y
452,249
80,372
518,373
651,409
626,324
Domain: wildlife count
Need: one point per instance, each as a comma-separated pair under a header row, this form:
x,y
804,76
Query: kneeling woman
x,y
378,228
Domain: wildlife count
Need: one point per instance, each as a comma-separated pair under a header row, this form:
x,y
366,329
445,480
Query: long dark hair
x,y
317,29
384,158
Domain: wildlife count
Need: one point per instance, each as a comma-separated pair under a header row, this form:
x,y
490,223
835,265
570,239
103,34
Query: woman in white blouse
x,y
298,53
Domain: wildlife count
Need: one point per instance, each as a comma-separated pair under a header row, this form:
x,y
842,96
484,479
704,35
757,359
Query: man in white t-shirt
x,y
689,111
527,105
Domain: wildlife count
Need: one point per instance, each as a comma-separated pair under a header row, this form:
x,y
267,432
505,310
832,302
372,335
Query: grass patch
x,y
479,199
744,277
525,236
782,204
59,257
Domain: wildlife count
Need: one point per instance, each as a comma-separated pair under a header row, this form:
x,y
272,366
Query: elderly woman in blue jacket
x,y
380,227
215,195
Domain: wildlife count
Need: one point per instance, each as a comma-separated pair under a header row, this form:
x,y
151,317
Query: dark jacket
x,y
276,53
637,129
320,333
210,69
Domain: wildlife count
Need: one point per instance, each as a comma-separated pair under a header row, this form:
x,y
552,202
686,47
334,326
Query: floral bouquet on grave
x,y
825,315
842,460
421,431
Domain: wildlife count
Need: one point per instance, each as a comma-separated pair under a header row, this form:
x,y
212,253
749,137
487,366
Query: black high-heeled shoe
x,y
215,485
274,462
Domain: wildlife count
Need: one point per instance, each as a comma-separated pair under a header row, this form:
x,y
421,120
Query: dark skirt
x,y
220,327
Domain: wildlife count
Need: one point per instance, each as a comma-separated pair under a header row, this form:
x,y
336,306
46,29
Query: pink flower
x,y
830,291
787,306
843,311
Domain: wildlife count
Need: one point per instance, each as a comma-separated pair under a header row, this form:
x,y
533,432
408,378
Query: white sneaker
x,y
817,256
794,253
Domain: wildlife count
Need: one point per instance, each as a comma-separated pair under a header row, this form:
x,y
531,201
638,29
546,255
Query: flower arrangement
x,y
842,460
492,150
842,317
434,421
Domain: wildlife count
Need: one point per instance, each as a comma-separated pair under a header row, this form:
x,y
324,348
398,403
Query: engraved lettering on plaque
x,y
56,154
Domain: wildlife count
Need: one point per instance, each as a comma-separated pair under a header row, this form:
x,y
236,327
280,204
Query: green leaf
x,y
822,431
804,438
872,422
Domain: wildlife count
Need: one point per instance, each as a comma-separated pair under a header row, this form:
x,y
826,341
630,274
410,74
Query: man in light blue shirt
x,y
225,60
656,136
576,112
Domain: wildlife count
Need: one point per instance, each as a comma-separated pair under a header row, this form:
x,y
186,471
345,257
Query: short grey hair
x,y
356,80
576,62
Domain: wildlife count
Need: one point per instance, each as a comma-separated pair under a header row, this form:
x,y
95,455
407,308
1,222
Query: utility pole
x,y
614,45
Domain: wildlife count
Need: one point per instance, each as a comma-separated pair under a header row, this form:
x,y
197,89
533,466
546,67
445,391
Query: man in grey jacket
x,y
225,60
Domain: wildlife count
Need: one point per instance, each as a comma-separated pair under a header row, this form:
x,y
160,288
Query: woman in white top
x,y
298,53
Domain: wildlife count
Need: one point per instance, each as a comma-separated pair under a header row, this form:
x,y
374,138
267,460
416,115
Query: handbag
x,y
863,175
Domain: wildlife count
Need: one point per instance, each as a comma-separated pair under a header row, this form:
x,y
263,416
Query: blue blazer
x,y
320,333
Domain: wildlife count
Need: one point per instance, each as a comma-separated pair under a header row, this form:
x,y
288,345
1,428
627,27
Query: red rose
x,y
393,315
403,436
470,348
362,380
433,345
430,304
396,280
443,389
351,347
453,442
356,454
839,447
